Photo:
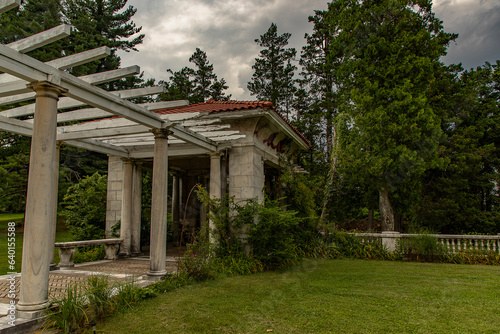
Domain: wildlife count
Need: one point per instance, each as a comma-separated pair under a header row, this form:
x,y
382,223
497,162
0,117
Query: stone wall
x,y
114,199
246,173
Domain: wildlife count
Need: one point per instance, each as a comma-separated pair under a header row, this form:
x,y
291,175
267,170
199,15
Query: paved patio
x,y
128,269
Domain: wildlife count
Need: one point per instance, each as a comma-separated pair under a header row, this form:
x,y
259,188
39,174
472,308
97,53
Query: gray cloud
x,y
226,30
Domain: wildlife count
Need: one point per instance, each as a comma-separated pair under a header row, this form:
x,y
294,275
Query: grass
x,y
62,234
328,296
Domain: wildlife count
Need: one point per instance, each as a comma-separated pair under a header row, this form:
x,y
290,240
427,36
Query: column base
x,y
157,273
32,311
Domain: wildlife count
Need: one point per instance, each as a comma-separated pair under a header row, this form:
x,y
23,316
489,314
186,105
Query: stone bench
x,y
67,249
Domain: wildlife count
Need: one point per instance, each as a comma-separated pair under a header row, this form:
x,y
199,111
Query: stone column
x,y
54,226
158,242
175,206
214,186
39,216
136,209
126,217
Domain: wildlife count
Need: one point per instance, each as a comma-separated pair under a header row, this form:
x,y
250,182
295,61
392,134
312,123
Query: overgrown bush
x,y
89,254
197,261
273,237
84,207
423,248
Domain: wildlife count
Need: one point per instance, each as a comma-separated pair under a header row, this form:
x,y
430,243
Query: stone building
x,y
252,138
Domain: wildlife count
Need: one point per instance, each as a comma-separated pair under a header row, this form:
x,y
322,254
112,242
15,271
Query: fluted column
x,y
40,202
158,241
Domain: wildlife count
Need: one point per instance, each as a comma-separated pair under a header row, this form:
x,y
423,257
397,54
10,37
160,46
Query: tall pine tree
x,y
273,77
390,130
196,85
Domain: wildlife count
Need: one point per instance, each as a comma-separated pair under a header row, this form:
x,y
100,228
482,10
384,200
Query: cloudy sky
x,y
226,30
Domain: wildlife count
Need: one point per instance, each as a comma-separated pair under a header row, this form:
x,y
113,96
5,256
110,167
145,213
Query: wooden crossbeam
x,y
95,79
41,39
6,5
68,61
66,102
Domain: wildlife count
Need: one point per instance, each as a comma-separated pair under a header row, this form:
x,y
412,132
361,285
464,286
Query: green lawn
x,y
62,234
335,296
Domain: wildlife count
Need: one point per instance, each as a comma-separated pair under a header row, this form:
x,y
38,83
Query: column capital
x,y
127,160
215,155
161,133
46,88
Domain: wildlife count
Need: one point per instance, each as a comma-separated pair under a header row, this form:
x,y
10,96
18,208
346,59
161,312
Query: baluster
x,y
476,245
458,245
448,245
488,245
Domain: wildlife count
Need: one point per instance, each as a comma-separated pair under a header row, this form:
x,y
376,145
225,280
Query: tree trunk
x,y
333,171
386,212
370,220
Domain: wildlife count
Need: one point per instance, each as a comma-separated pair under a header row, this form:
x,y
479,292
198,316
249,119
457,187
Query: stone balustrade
x,y
454,243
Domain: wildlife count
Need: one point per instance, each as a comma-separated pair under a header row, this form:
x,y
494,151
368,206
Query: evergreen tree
x,y
463,197
30,18
195,85
101,23
390,129
272,79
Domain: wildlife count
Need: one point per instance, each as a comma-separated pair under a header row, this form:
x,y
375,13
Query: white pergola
x,y
100,121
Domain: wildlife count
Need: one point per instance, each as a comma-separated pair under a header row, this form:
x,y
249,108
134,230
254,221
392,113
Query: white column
x,y
214,186
40,215
158,242
54,226
126,216
136,209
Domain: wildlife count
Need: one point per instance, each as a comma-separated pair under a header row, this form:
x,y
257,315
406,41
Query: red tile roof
x,y
213,106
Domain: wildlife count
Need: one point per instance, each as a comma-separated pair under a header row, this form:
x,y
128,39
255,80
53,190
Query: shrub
x,y
89,254
423,248
272,238
197,261
84,207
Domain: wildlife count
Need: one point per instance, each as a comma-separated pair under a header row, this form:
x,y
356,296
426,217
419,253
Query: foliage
x,y
422,248
463,197
197,261
99,23
272,79
196,85
389,129
130,294
89,254
99,292
69,314
83,207
272,238
93,300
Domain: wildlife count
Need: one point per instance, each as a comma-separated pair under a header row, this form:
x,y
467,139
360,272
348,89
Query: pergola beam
x,y
93,113
41,39
100,147
94,79
32,70
69,61
66,102
6,5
